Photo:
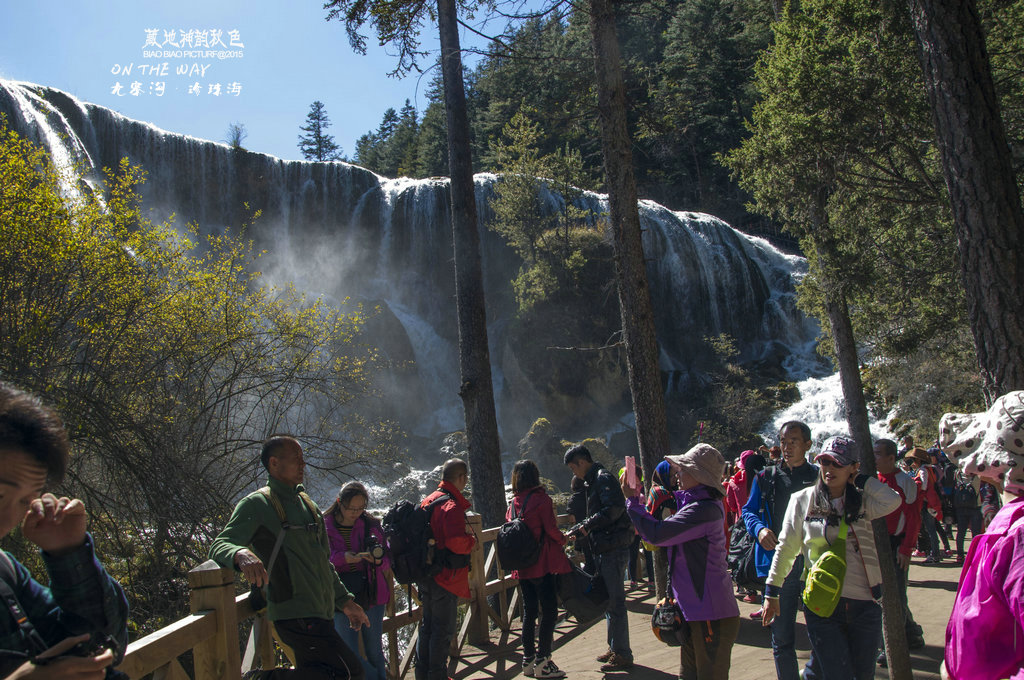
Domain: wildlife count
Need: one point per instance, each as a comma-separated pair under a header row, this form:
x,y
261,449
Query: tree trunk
x,y
477,390
630,268
894,632
982,188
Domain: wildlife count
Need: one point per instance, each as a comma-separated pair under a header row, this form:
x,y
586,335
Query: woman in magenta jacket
x,y
538,582
359,555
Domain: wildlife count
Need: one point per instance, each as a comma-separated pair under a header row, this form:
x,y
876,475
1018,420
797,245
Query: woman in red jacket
x,y
538,582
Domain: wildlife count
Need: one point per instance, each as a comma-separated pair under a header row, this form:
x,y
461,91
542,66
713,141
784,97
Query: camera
x,y
375,549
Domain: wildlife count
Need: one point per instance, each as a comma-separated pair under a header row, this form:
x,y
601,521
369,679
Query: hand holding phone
x,y
631,480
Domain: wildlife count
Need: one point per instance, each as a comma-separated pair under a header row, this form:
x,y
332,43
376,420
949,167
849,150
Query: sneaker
x,y
603,658
917,553
756,614
751,598
529,666
546,668
617,662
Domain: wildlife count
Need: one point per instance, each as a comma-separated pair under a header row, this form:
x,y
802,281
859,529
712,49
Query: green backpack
x,y
825,580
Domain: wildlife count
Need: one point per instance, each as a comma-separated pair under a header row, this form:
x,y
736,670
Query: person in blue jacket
x,y
77,626
763,514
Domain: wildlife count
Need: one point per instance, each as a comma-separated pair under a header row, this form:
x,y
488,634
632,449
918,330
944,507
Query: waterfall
x,y
340,232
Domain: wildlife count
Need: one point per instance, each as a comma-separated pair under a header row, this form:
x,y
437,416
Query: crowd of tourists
x,y
785,527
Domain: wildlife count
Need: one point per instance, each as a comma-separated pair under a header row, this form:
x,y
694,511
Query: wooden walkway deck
x,y
932,589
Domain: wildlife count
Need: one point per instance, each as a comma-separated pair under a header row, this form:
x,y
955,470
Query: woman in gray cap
x,y
845,643
699,577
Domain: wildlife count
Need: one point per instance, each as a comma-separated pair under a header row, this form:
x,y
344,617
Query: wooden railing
x,y
211,632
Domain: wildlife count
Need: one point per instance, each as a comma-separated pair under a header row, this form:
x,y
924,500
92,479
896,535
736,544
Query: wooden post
x,y
478,626
213,588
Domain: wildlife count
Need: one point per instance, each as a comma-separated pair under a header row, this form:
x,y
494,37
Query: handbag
x,y
583,595
357,584
824,584
667,619
740,559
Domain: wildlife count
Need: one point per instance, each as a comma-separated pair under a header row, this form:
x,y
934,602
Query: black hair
x,y
348,491
453,467
27,425
888,447
525,475
273,446
751,466
577,452
804,429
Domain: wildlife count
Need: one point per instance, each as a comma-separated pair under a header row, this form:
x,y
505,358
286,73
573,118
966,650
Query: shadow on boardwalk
x,y
932,588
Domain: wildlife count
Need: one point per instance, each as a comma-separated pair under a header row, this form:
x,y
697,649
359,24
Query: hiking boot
x,y
529,666
603,658
617,662
546,668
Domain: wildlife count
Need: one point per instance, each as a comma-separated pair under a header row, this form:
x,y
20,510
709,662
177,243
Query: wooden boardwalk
x,y
932,589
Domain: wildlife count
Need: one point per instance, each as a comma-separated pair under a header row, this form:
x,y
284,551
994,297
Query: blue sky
x,y
289,57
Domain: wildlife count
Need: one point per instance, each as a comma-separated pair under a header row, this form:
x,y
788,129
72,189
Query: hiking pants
x,y
706,648
437,627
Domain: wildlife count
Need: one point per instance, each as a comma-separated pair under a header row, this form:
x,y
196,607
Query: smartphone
x,y
631,480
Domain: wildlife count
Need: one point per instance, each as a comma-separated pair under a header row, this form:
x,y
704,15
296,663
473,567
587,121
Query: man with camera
x,y
276,538
610,532
76,627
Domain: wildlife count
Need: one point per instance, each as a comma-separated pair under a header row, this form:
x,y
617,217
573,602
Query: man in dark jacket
x,y
609,531
82,601
763,514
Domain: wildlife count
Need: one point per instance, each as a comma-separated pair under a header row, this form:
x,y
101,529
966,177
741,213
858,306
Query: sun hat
x,y
704,463
839,450
919,454
989,444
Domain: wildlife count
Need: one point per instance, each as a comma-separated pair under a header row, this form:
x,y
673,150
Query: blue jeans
x,y
784,627
374,664
436,630
612,566
846,643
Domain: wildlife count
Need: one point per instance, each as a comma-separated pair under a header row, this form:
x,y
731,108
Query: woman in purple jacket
x,y
697,549
359,555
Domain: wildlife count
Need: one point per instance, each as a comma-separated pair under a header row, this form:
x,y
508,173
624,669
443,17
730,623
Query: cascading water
x,y
339,231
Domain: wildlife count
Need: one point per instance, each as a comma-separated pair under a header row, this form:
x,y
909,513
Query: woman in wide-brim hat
x,y
697,550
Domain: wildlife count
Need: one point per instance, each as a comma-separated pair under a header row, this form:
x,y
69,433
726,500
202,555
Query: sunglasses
x,y
828,462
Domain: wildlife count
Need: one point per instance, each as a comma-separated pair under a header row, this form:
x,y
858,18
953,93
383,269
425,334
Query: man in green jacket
x,y
303,590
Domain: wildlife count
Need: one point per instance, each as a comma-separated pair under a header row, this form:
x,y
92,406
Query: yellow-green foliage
x,y
168,361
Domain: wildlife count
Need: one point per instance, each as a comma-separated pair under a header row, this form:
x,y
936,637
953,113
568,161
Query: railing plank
x,y
212,628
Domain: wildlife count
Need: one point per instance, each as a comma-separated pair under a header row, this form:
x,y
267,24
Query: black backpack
x,y
517,547
414,557
964,495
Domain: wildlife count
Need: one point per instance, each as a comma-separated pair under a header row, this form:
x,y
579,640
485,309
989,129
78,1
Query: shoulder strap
x,y
275,503
32,635
526,499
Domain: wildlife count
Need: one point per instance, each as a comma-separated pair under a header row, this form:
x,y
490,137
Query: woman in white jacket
x,y
845,643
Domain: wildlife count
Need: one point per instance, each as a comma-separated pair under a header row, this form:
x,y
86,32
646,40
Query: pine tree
x,y
316,144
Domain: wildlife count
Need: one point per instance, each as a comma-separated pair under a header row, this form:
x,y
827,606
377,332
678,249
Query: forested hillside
x,y
689,69
738,108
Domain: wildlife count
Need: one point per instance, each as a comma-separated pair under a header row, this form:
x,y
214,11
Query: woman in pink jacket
x,y
538,582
